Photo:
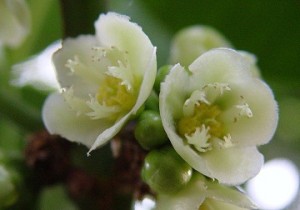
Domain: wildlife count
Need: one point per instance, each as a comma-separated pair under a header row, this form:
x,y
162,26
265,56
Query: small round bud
x,y
191,42
165,171
152,102
149,131
160,76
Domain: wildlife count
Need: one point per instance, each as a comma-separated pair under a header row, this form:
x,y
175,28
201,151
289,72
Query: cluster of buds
x,y
201,117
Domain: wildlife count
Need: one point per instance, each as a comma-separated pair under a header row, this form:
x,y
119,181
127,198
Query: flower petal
x,y
171,109
147,83
107,134
60,119
82,80
38,71
260,128
234,165
220,65
228,195
190,198
115,30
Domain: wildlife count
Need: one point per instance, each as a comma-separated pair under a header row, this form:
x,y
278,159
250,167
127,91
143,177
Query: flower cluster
x,y
202,117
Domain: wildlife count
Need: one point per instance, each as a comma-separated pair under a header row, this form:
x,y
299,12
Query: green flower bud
x,y
8,193
152,102
191,42
160,76
149,131
165,171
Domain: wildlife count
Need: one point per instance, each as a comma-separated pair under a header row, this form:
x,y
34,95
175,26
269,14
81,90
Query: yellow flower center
x,y
206,115
113,93
201,125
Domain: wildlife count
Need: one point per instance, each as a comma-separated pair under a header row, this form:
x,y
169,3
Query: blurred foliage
x,y
269,29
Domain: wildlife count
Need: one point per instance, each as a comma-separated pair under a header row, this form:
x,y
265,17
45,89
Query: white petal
x,y
254,70
234,165
109,133
80,47
260,128
38,71
172,97
228,195
221,65
190,198
116,30
147,83
174,92
60,119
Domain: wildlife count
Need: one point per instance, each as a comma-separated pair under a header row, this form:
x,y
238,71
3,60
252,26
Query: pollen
x,y
112,92
205,120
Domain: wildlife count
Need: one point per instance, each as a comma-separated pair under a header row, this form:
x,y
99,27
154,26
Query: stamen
x,y
74,102
195,99
72,63
227,141
245,110
100,111
220,87
200,138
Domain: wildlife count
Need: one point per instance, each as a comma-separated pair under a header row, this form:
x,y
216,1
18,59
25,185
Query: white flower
x,y
191,42
38,71
216,112
202,194
104,78
14,22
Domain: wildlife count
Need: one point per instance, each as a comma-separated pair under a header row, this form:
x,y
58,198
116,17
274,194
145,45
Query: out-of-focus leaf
x,y
15,109
10,137
46,27
158,33
55,197
79,15
269,29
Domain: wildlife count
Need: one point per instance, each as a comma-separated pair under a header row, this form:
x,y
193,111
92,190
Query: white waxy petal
x,y
233,165
201,193
228,195
80,47
60,119
115,30
190,198
257,128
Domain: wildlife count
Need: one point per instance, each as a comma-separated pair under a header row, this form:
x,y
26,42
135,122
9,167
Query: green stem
x,y
19,112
